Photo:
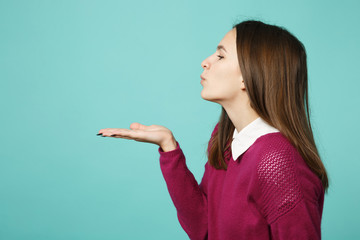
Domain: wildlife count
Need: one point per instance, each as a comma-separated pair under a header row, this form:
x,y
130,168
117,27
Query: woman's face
x,y
223,80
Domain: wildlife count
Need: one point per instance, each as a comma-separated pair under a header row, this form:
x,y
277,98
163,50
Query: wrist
x,y
169,145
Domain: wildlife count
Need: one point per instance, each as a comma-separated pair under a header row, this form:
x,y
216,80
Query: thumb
x,y
136,125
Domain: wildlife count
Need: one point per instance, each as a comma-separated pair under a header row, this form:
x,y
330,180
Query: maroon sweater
x,y
267,193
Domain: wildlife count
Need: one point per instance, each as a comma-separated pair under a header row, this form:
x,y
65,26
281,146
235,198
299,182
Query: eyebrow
x,y
221,47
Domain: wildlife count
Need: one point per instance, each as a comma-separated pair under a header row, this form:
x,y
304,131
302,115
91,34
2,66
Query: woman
x,y
264,178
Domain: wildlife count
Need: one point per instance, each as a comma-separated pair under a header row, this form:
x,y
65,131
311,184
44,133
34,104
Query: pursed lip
x,y
202,77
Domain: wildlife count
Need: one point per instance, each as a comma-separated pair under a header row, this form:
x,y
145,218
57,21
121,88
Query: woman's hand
x,y
155,134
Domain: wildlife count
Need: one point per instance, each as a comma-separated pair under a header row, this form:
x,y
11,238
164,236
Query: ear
x,y
242,84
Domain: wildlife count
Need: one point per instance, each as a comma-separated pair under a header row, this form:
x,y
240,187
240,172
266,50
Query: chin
x,y
203,96
207,98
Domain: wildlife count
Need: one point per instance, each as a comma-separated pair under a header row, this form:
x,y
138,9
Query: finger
x,y
109,131
123,133
103,131
119,136
124,138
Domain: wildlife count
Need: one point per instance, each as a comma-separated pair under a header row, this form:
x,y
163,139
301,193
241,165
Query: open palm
x,y
155,134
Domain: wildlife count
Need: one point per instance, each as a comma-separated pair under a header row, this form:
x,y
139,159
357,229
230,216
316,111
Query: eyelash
x,y
220,57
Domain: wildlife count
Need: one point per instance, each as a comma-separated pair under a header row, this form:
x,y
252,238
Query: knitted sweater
x,y
267,193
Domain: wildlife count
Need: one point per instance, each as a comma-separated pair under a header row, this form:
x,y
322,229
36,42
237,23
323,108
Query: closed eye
x,y
220,57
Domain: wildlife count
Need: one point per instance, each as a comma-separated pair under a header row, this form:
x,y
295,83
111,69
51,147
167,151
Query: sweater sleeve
x,y
289,206
188,197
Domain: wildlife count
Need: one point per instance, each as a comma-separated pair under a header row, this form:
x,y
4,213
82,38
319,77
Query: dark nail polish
x,y
99,134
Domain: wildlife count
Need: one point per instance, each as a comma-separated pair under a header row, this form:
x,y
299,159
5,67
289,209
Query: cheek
x,y
230,83
226,76
225,88
229,77
228,69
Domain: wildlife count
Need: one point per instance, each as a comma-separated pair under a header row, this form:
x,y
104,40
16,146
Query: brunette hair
x,y
273,65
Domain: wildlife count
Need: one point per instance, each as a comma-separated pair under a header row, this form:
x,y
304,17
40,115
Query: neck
x,y
240,114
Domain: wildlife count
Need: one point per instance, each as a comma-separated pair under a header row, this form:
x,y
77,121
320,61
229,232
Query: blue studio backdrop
x,y
70,68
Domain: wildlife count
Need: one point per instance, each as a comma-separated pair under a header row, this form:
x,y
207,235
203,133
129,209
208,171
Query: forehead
x,y
229,39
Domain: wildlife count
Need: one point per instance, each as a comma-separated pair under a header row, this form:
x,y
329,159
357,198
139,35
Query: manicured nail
x,y
99,134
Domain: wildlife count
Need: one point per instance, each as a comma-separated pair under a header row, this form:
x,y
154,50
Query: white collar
x,y
248,135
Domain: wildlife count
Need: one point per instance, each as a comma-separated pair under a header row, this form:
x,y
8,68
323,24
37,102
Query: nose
x,y
205,64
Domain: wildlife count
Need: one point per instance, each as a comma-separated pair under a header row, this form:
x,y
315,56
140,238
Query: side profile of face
x,y
223,80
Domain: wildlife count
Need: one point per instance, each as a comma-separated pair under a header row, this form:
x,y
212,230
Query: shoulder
x,y
277,161
283,177
277,156
272,147
273,140
276,175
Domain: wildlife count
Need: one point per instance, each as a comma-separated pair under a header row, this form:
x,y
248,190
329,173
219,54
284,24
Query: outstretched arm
x,y
187,195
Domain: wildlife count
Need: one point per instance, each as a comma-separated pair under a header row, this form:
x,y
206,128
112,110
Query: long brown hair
x,y
273,65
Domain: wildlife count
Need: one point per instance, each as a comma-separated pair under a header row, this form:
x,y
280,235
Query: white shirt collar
x,y
247,136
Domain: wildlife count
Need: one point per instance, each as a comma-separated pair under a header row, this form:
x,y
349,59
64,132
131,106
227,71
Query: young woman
x,y
264,178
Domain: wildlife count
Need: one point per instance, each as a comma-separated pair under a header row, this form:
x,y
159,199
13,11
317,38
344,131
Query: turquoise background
x,y
71,68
